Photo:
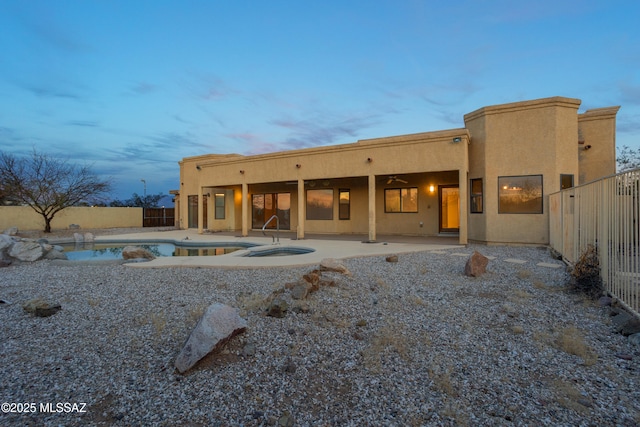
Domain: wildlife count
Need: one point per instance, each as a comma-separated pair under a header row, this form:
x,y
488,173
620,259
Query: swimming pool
x,y
99,251
264,251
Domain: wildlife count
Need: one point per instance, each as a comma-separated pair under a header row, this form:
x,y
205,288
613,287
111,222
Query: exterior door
x,y
449,199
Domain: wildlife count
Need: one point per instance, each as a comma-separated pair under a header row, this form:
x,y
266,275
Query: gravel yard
x,y
412,343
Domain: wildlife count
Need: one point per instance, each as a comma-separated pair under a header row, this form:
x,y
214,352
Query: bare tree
x,y
628,158
47,184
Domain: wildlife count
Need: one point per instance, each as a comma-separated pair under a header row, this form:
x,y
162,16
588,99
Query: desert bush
x,y
585,275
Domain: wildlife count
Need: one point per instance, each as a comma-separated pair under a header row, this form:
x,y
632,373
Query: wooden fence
x,y
158,217
603,214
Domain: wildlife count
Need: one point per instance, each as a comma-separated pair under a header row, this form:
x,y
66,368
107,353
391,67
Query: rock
x,y
605,301
55,253
289,366
249,350
634,339
89,237
330,264
277,308
11,231
620,320
476,265
136,252
41,308
77,237
301,307
26,251
74,227
300,290
392,258
631,327
5,241
286,420
313,278
218,324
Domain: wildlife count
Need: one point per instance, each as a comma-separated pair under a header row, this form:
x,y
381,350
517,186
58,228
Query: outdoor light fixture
x,y
242,171
298,165
587,147
431,188
198,167
457,139
369,160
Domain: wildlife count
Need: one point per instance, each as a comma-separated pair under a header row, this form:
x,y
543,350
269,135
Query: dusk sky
x,y
131,87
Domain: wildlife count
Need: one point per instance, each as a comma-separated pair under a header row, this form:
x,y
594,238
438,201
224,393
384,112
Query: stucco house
x,y
487,182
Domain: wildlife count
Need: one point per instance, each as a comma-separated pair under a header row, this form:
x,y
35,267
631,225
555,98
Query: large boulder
x,y
41,308
136,252
476,265
27,250
218,324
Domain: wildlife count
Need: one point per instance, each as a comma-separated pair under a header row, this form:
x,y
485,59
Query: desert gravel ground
x,y
407,343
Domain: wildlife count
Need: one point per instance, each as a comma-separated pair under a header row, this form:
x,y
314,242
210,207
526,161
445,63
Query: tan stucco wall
x,y
597,148
26,218
536,137
347,166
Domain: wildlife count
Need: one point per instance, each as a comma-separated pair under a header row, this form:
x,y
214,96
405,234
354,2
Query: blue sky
x,y
131,86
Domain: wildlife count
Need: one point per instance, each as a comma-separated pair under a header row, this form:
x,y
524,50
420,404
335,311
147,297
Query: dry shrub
x,y
569,396
389,337
517,329
585,276
159,322
523,274
571,341
442,380
195,313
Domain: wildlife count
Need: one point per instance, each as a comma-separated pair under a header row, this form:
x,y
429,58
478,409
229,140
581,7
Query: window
x,y
219,205
344,207
401,199
520,194
476,195
320,204
566,181
264,206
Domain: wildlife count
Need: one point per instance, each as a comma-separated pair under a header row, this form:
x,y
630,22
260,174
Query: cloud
x,y
323,129
44,91
628,124
83,123
142,88
209,88
254,143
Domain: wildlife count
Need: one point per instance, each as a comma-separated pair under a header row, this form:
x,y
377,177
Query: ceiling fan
x,y
394,178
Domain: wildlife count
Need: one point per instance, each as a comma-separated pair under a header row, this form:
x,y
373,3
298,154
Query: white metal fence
x,y
605,214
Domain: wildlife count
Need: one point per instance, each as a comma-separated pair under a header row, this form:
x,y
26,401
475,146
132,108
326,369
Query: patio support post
x,y
372,208
245,209
301,209
463,186
200,211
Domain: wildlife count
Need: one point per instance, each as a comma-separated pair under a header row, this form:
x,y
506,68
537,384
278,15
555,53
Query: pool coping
x,y
329,248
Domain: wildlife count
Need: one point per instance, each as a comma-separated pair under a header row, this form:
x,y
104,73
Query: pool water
x,y
113,251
